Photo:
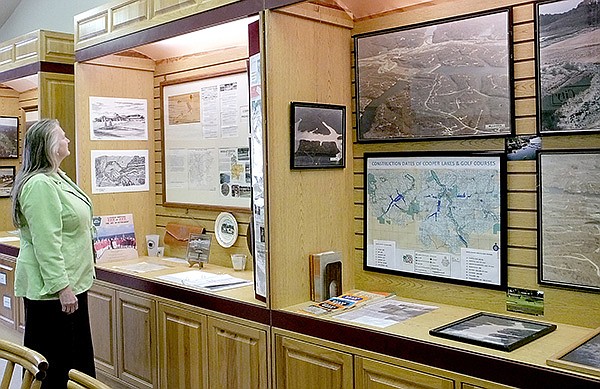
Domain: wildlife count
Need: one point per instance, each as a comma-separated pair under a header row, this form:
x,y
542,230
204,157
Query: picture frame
x,y
9,137
439,216
318,135
494,331
205,141
198,249
411,84
582,356
566,96
568,177
7,179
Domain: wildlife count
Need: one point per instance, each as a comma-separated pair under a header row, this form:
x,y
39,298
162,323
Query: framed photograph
x,y
583,356
494,331
9,137
198,248
568,64
438,216
117,171
205,142
7,178
318,135
440,80
568,218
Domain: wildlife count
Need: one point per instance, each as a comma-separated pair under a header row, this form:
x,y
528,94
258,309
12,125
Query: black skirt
x,y
64,340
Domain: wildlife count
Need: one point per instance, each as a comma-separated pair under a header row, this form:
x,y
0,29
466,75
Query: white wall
x,y
53,15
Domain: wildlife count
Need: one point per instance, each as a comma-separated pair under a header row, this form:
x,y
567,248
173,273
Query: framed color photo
x,y
439,80
7,178
583,356
494,331
568,65
9,137
318,135
438,216
568,218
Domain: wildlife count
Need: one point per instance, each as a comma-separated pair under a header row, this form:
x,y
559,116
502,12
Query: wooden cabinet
x,y
372,374
300,365
237,355
183,355
124,335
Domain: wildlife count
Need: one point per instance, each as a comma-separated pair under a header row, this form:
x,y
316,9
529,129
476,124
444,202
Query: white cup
x,y
238,261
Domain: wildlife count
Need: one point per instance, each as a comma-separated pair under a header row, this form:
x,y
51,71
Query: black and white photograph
x,y
494,331
568,41
7,178
569,218
583,356
9,137
117,118
198,248
318,135
116,171
444,79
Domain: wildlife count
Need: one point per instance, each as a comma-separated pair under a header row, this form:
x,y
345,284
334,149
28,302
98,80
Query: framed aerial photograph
x,y
494,331
438,216
7,178
583,356
318,135
568,65
440,80
9,137
568,218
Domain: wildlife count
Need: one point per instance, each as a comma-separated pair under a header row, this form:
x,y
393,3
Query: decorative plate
x,y
226,229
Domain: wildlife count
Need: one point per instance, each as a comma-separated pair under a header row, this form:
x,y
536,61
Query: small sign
x,y
7,302
2,278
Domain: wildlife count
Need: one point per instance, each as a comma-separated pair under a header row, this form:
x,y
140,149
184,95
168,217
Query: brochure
x,y
350,299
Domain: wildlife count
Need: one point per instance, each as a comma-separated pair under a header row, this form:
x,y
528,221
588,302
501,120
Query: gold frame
x,y
556,359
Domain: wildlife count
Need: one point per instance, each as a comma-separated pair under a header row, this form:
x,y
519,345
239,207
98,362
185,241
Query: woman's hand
x,y
68,300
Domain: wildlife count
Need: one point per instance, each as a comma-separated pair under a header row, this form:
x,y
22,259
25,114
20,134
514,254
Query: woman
x,y
55,267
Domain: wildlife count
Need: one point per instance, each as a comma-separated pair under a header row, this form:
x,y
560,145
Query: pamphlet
x,y
350,299
115,238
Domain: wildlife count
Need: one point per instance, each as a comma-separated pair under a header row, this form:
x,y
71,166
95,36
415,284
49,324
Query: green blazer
x,y
56,238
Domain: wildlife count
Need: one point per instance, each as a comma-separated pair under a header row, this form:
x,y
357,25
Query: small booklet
x,y
350,299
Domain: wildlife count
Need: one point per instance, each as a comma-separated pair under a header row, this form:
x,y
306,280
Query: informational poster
x,y
205,141
436,215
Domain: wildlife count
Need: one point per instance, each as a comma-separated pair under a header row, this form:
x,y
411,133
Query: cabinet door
x,y
7,298
182,350
237,356
372,374
136,335
301,365
101,303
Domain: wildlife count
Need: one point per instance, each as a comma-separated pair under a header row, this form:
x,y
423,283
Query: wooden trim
x,y
9,250
214,303
34,68
177,27
469,363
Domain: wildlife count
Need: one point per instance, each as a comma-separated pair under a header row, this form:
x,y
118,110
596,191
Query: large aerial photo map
x,y
569,65
450,79
570,218
435,216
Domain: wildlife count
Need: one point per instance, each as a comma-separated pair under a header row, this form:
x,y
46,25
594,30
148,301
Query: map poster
x,y
436,215
569,218
448,79
568,41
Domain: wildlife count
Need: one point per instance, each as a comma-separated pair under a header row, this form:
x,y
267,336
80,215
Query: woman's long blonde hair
x,y
40,155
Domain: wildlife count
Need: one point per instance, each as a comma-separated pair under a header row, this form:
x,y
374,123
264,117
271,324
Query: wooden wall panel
x,y
521,181
196,66
109,81
309,211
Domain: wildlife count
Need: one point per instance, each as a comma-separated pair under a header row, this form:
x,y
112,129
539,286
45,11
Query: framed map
x,y
205,142
438,80
437,216
569,218
568,61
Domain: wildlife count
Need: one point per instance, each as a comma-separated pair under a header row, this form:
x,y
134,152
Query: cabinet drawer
x,y
371,374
